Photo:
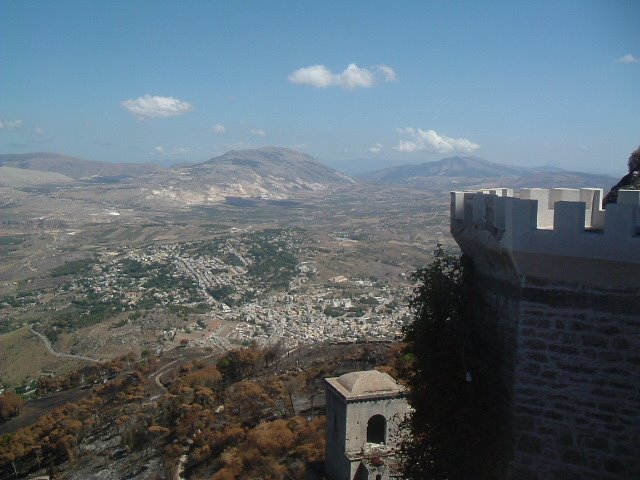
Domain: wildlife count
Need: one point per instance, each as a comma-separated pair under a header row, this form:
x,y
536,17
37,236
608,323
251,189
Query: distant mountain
x,y
469,167
267,172
459,172
275,162
76,168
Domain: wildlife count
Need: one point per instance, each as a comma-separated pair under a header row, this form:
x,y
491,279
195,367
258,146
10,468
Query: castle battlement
x,y
562,231
560,278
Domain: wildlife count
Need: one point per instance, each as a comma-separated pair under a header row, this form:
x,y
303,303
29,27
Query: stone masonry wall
x,y
572,366
577,391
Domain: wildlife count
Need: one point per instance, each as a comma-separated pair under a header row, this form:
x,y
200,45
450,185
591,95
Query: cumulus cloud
x,y
258,132
218,128
10,124
377,148
628,58
317,76
154,106
350,78
418,140
354,77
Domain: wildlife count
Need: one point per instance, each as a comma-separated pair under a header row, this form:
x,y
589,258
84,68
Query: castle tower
x,y
561,277
363,413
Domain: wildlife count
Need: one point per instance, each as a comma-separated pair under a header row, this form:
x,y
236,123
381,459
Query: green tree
x,y
451,362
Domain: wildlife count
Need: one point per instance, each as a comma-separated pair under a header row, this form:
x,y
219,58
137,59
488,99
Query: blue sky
x,y
526,83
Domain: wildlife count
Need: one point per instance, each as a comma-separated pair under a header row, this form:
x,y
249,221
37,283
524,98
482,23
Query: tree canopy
x,y
451,362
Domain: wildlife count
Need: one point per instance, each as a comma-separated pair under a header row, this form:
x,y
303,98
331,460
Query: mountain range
x,y
275,173
468,171
76,168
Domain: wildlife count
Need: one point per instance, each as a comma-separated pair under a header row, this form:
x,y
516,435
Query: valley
x,y
103,271
259,270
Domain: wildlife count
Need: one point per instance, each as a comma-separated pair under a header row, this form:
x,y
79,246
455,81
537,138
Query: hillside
x,y
267,172
245,413
76,168
18,178
23,356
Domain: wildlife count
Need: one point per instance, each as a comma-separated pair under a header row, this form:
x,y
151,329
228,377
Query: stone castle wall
x,y
577,403
569,311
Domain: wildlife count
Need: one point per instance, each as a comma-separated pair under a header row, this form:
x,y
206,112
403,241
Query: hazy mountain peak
x,y
264,154
457,166
280,161
266,172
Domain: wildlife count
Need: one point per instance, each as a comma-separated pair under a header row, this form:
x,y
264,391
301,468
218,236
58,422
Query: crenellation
x,y
561,277
473,204
488,207
544,212
629,197
563,195
569,218
620,221
457,205
540,224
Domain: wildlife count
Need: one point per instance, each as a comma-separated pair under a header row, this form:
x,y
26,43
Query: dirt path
x,y
47,344
156,375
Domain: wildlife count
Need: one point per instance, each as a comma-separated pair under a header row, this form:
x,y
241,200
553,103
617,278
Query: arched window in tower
x,y
377,429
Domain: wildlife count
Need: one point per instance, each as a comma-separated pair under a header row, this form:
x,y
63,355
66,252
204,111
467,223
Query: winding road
x,y
156,375
47,344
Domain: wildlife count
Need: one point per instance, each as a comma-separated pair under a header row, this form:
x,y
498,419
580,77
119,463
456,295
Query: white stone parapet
x,y
559,222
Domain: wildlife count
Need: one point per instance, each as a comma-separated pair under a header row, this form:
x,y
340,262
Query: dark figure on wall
x,y
631,181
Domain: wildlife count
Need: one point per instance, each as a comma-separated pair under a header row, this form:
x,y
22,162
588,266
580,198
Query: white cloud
x,y
39,130
160,150
317,76
377,148
258,132
388,73
628,58
218,128
10,124
352,77
154,106
419,140
355,77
